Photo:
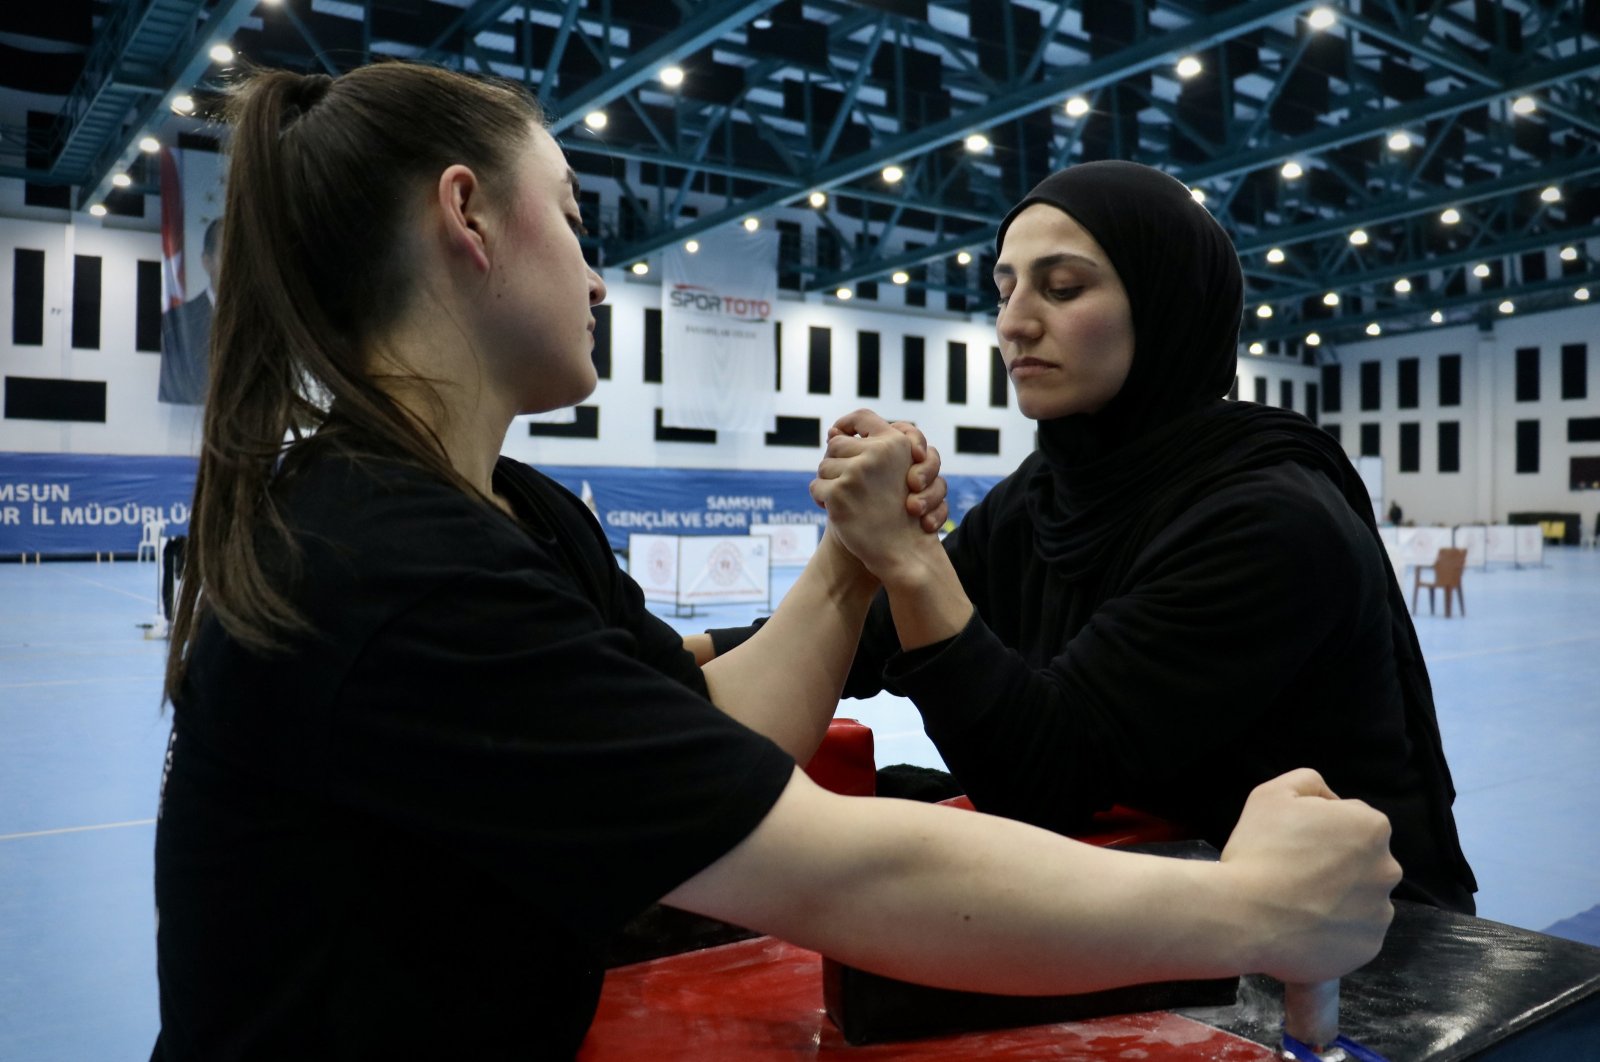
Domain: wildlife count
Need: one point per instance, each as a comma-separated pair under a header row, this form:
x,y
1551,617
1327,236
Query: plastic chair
x,y
151,540
1446,568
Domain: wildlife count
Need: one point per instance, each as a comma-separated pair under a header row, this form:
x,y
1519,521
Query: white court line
x,y
146,598
78,682
1432,657
77,829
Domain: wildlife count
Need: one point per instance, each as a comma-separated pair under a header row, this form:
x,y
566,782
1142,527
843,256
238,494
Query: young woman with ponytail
x,y
429,748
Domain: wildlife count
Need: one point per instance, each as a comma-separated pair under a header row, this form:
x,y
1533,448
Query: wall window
x,y
1449,379
956,373
1411,447
1575,370
1408,377
1369,440
1527,374
867,364
913,354
1449,446
1527,446
819,371
1332,384
1371,385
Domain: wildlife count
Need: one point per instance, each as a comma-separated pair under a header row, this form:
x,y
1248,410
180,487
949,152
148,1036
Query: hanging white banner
x,y
717,356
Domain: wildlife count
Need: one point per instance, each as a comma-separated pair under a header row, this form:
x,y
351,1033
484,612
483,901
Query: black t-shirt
x,y
408,834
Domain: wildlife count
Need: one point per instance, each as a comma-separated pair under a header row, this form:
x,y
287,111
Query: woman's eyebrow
x,y
1049,261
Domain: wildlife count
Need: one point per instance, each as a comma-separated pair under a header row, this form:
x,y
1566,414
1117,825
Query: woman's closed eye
x,y
1064,294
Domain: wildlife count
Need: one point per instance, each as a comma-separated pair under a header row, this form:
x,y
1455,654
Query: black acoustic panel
x,y
956,373
1574,370
977,440
1449,446
1333,430
652,345
1371,385
688,435
1332,388
27,297
1527,446
797,431
147,308
1312,402
1410,447
1286,394
819,369
39,398
1370,441
913,370
1258,392
601,354
86,274
586,426
1449,379
868,364
1527,388
1583,429
1409,376
999,380
777,355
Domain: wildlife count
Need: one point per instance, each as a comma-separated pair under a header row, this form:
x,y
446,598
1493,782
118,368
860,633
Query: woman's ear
x,y
462,210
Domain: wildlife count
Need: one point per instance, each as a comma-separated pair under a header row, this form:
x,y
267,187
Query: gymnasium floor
x,y
81,741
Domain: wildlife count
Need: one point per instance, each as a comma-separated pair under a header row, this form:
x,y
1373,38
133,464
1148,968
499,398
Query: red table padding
x,y
844,761
761,1000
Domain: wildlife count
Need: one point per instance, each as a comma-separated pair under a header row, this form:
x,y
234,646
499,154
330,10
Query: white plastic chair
x,y
153,530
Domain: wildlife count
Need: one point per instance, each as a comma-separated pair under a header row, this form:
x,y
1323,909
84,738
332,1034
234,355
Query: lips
x,y
1029,367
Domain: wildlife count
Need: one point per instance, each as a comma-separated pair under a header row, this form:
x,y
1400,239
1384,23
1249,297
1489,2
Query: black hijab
x,y
1109,481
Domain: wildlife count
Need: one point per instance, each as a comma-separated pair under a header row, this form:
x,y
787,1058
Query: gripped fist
x,y
926,489
1320,870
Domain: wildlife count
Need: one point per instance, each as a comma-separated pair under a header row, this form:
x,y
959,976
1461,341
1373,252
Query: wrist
x,y
844,573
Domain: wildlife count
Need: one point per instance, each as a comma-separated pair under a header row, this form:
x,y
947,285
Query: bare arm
x,y
967,901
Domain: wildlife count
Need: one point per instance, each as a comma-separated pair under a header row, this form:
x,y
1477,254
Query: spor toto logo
x,y
724,565
703,299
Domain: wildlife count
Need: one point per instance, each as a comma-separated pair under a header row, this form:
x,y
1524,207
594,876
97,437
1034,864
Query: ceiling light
x,y
122,180
672,76
818,199
1400,141
1331,299
762,23
639,269
1321,18
595,119
1437,317
1313,340
964,258
1197,194
1275,256
692,246
1077,107
752,224
1450,216
901,277
1507,306
1582,294
98,210
1257,347
977,142
1525,105
149,145
1569,254
892,174
1189,66
845,294
1374,329
1291,170
221,53
1263,311
183,104
1481,270
1402,285
1551,194
1359,237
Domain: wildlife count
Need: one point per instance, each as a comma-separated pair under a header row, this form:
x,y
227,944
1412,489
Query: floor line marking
x,y
78,682
77,829
1513,648
114,589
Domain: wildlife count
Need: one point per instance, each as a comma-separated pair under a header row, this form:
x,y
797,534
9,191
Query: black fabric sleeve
x,y
502,719
1159,676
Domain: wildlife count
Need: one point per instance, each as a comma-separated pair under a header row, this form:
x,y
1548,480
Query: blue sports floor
x,y
81,741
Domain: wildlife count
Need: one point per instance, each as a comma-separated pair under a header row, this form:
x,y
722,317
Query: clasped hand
x,y
881,486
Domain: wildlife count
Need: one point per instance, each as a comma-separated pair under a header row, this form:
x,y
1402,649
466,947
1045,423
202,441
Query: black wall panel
x,y
86,274
147,308
27,298
586,426
37,398
977,440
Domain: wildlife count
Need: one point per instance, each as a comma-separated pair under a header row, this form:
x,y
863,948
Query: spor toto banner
x,y
717,354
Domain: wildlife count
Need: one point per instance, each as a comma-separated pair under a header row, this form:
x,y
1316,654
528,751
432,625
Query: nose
x,y
1017,323
597,289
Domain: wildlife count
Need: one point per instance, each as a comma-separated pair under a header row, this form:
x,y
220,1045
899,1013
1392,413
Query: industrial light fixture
x,y
1077,107
1321,18
1198,195
1450,216
1188,67
1331,299
1400,141
977,142
1480,270
1313,339
595,120
1257,347
964,258
1437,317
692,246
1582,294
183,104
1291,170
121,180
1402,285
818,199
1525,105
844,294
98,210
1551,194
901,277
221,53
1359,237
752,224
149,145
672,76
1508,306
1569,254
1275,256
762,23
1374,329
893,174
639,269
1263,311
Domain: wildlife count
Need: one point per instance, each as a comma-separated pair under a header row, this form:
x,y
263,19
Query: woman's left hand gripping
x,y
881,486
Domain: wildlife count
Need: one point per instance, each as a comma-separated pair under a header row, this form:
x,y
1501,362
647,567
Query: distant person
x,y
1396,514
186,333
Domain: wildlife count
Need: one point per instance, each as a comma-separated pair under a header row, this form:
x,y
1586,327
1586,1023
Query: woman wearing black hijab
x,y
1176,596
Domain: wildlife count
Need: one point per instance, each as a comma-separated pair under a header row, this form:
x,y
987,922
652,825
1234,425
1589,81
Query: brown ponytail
x,y
323,172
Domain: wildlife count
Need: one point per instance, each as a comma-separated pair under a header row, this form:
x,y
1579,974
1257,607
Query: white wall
x,y
1488,486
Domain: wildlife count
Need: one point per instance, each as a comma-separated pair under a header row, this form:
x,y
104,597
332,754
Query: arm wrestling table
x,y
1445,987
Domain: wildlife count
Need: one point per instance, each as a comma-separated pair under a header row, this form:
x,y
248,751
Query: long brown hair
x,y
323,173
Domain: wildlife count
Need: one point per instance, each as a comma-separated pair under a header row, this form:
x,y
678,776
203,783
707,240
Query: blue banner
x,y
85,503
55,504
